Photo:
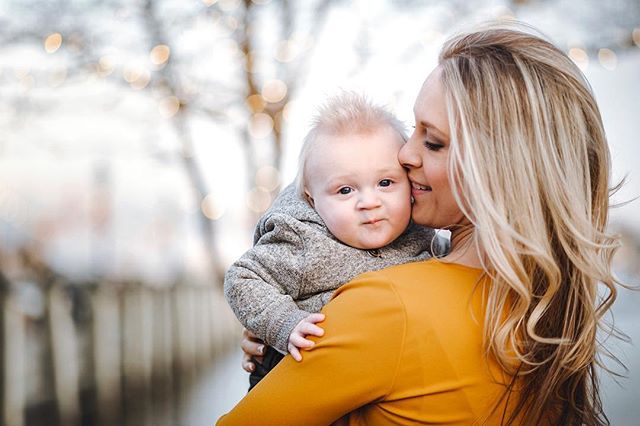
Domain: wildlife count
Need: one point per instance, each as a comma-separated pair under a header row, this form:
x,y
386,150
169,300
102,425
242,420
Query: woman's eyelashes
x,y
432,145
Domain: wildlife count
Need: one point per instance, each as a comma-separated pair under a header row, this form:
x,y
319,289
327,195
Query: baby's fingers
x,y
307,328
313,318
295,353
299,341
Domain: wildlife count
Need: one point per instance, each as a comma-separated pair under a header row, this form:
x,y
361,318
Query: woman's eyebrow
x,y
432,127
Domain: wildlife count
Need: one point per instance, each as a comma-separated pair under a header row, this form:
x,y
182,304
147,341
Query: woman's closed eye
x,y
432,145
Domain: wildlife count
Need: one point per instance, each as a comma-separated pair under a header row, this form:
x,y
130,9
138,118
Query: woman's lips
x,y
416,188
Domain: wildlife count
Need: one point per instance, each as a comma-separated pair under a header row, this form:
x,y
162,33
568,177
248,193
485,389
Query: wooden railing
x,y
105,353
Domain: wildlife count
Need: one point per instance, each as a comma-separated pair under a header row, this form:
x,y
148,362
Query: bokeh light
x,y
131,73
267,177
256,103
260,125
287,51
137,77
291,48
142,81
287,110
211,207
169,106
231,23
580,57
504,13
53,42
258,200
274,91
228,5
105,66
608,59
160,54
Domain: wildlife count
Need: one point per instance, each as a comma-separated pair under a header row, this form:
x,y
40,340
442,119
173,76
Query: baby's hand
x,y
304,328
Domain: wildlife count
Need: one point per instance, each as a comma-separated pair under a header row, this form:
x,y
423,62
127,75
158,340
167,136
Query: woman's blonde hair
x,y
345,113
531,167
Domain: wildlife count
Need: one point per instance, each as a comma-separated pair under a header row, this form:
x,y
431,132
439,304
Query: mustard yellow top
x,y
402,346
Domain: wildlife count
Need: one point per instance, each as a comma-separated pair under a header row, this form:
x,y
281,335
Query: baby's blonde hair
x,y
346,113
530,163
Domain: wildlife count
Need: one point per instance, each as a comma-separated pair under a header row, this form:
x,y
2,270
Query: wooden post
x,y
227,329
184,365
14,366
145,335
200,336
186,324
162,371
107,360
216,327
65,356
137,356
207,313
4,292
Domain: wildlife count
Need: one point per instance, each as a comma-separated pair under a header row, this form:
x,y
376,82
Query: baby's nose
x,y
368,200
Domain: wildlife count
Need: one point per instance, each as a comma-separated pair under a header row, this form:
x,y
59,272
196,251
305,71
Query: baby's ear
x,y
308,197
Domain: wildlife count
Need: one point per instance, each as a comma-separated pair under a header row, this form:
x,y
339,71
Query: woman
x,y
509,153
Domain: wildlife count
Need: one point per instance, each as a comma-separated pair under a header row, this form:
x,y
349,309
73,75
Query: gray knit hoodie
x,y
296,264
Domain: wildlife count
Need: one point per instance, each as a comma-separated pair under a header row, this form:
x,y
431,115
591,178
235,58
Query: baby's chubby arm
x,y
262,286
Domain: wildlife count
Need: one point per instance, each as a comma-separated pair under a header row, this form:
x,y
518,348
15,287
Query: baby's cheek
x,y
338,228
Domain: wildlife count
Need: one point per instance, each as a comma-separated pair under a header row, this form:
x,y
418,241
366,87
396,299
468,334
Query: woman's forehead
x,y
432,86
430,107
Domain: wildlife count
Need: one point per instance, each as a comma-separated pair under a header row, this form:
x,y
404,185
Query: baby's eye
x,y
345,190
385,182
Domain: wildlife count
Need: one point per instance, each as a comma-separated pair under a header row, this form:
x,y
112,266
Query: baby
x,y
349,213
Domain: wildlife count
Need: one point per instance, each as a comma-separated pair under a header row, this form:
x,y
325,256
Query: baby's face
x,y
359,188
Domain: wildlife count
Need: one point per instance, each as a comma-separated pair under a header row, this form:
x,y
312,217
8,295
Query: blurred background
x,y
140,140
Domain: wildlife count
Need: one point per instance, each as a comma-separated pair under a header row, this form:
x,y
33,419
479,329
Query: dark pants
x,y
270,360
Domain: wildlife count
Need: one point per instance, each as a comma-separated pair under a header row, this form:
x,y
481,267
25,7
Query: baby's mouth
x,y
372,221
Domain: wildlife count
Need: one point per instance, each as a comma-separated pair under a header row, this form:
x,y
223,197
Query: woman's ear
x,y
309,198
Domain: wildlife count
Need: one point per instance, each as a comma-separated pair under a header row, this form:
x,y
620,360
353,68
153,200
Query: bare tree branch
x,y
170,80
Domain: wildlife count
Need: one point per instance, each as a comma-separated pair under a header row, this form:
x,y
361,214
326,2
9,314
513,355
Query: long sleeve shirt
x,y
402,346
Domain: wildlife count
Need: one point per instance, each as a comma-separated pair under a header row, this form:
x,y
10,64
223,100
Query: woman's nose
x,y
408,156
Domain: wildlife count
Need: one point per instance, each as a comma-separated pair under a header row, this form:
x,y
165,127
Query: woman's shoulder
x,y
426,281
422,270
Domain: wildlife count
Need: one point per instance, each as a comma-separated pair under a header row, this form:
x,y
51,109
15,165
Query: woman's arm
x,y
355,363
